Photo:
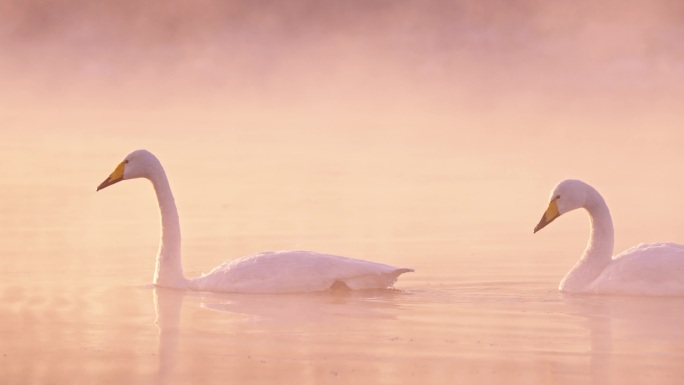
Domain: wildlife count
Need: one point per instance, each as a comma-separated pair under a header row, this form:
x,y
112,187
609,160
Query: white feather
x,y
646,269
268,272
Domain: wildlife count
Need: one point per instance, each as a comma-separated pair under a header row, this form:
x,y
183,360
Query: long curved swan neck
x,y
602,238
599,251
168,271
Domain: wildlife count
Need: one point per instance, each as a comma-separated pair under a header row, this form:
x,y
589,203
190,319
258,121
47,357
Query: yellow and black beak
x,y
116,176
550,214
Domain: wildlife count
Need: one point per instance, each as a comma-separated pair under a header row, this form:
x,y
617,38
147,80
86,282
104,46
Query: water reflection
x,y
630,332
307,308
167,305
298,314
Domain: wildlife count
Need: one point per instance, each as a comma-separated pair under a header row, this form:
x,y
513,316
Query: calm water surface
x,y
447,332
482,307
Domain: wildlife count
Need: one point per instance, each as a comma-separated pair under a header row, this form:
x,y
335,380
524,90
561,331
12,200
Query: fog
x,y
444,54
514,95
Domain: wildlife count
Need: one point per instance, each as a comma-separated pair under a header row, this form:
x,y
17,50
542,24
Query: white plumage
x,y
647,269
268,272
296,271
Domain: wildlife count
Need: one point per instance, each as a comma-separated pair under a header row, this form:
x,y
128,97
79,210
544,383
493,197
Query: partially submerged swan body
x,y
296,272
647,269
269,272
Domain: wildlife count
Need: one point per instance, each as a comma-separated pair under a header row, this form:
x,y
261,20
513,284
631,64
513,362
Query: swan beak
x,y
116,176
549,216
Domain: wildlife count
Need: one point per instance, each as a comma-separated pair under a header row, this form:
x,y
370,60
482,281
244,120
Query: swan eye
x,y
557,197
125,160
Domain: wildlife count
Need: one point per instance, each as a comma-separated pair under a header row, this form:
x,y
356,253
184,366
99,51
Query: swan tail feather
x,y
375,281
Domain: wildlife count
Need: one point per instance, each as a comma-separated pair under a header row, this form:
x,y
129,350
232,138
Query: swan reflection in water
x,y
297,313
167,305
627,331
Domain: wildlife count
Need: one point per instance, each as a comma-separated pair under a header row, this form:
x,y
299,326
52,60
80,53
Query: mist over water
x,y
499,99
467,91
425,134
440,53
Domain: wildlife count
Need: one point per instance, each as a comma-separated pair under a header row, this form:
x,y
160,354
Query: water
x,y
419,134
514,332
76,305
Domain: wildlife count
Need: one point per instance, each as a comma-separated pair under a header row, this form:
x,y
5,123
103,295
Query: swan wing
x,y
645,269
295,272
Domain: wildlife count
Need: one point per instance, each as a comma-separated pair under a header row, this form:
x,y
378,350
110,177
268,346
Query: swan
x,y
267,272
655,269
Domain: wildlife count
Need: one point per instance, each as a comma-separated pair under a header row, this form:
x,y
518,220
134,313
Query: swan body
x,y
296,272
646,269
268,272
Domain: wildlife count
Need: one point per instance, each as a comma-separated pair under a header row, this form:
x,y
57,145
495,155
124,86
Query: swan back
x,y
645,269
296,272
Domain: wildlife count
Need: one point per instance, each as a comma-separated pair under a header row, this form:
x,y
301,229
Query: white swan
x,y
645,269
269,272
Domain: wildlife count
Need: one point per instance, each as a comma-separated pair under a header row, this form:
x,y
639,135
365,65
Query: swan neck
x,y
601,239
168,271
599,251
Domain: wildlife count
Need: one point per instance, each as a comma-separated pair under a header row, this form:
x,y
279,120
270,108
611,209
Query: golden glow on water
x,y
424,135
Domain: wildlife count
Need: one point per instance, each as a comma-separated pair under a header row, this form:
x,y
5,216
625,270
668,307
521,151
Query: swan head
x,y
567,195
137,164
